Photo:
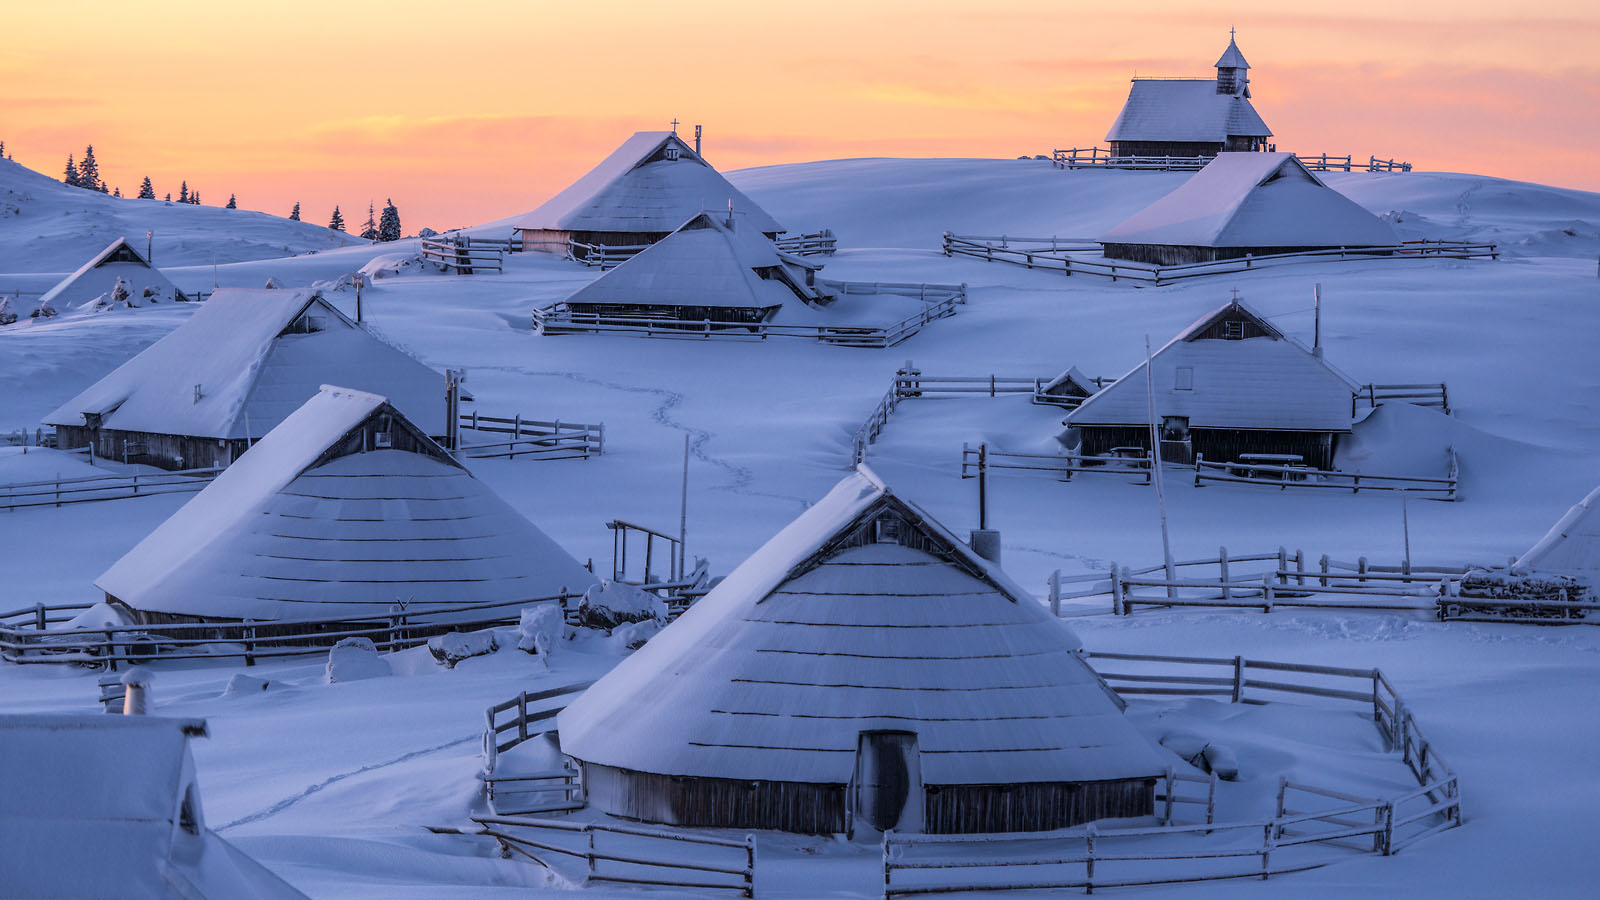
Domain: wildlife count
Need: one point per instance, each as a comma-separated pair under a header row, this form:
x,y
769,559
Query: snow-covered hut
x,y
1069,389
1227,385
104,807
1244,204
638,195
141,283
1191,116
245,361
863,669
1571,547
715,267
346,509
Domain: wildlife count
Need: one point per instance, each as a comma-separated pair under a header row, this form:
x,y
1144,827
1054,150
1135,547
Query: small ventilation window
x,y
1233,330
1184,379
671,153
382,437
189,812
887,529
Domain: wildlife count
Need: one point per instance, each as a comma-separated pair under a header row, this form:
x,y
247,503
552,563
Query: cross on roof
x,y
1236,295
674,124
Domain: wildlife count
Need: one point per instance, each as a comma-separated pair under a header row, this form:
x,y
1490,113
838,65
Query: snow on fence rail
x,y
940,301
556,790
1285,477
23,641
1375,395
1057,254
1291,840
1100,158
628,855
60,491
975,460
533,437
819,243
465,255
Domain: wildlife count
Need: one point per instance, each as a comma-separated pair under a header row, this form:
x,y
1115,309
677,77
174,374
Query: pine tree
x,y
71,177
369,231
337,222
89,172
147,191
233,202
294,214
389,225
195,198
117,192
169,196
183,192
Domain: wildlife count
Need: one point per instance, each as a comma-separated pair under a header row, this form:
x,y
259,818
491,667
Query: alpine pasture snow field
x,y
331,785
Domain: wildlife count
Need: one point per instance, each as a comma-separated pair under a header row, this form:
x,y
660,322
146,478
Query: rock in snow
x,y
633,635
540,628
353,659
241,683
454,647
612,603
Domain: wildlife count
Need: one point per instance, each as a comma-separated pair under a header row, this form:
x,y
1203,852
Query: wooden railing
x,y
1375,395
603,256
1285,477
464,255
820,243
1291,840
91,488
533,437
22,641
621,531
628,855
974,460
941,301
1100,158
1077,257
543,791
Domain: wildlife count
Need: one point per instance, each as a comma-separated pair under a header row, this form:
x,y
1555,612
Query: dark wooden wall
x,y
716,802
988,808
166,451
1179,254
1218,444
1165,148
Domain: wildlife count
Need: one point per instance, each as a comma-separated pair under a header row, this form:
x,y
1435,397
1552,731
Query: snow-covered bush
x,y
540,627
633,635
454,647
612,603
355,658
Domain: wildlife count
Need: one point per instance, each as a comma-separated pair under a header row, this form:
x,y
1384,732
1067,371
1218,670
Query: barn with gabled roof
x,y
119,274
715,267
1229,384
864,669
1191,116
239,366
345,510
1247,204
638,195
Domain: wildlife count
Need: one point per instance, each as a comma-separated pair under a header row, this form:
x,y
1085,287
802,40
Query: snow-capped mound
x,y
46,226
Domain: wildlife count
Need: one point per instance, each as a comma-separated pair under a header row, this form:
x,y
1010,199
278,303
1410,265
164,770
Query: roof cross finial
x,y
1236,295
674,124
1231,32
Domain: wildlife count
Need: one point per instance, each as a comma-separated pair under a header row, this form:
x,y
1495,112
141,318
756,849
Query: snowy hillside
x,y
331,785
46,226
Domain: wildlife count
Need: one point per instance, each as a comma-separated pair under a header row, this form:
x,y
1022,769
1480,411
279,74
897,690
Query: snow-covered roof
x,y
99,276
709,261
1269,382
638,188
95,808
1254,200
863,613
256,356
1187,110
1232,58
309,524
1071,383
1572,546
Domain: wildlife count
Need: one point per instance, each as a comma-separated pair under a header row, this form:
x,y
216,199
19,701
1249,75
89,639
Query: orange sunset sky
x,y
465,112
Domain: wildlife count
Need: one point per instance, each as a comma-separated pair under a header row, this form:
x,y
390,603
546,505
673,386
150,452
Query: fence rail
x,y
1285,477
941,301
1375,395
1293,839
628,855
1077,257
85,489
975,459
820,243
465,255
1101,158
533,437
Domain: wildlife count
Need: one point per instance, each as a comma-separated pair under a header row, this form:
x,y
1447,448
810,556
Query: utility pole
x,y
1155,468
683,512
1316,334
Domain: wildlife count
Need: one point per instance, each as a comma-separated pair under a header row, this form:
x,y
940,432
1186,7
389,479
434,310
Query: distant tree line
x,y
381,227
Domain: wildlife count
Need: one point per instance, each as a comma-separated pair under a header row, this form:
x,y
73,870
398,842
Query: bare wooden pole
x,y
1155,469
683,512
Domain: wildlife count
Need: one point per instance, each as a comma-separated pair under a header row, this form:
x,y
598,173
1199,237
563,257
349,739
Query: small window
x,y
1233,330
1184,380
886,530
671,153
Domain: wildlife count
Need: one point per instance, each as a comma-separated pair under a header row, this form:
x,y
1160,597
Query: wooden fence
x,y
1285,477
1100,158
820,243
556,790
975,460
628,855
1291,840
1078,257
23,641
533,438
941,300
85,489
1375,395
464,255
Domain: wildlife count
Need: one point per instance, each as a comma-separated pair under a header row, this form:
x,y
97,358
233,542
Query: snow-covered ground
x,y
330,785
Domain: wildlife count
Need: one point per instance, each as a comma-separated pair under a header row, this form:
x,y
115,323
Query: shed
x,y
245,361
638,195
1244,204
715,267
142,283
864,669
1191,116
1571,547
1229,384
108,808
1069,389
345,510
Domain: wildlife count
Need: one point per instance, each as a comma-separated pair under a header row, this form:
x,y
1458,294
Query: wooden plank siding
x,y
1217,444
991,808
165,451
1178,254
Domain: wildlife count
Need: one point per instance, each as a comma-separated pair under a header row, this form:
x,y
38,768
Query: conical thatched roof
x,y
1572,546
861,614
316,521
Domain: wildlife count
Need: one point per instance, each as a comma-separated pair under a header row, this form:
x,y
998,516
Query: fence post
x,y
1055,593
589,829
1211,800
1324,579
1088,858
1300,565
1266,850
1283,566
40,617
249,642
1283,789
1166,817
750,866
1266,593
1118,607
1361,570
1222,567
522,721
1388,829
1238,679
